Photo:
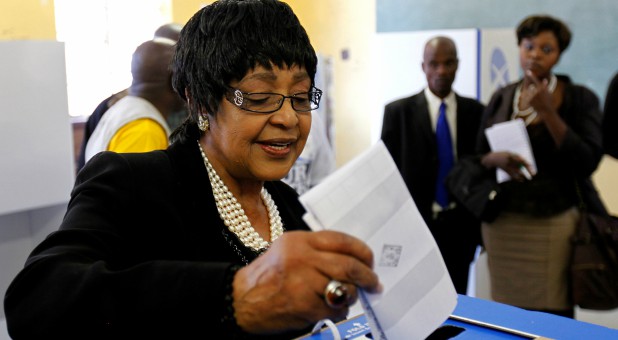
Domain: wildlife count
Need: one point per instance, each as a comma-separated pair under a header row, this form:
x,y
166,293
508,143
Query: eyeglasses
x,y
266,102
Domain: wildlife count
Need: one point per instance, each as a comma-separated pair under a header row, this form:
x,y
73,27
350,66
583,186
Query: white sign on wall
x,y
498,60
36,143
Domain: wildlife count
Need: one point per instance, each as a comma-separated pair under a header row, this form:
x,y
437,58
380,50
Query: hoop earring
x,y
202,122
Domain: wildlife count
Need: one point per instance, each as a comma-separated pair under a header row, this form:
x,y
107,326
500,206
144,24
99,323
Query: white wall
x,y
37,171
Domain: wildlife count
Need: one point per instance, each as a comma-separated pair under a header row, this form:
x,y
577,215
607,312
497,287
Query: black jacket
x,y
140,254
411,141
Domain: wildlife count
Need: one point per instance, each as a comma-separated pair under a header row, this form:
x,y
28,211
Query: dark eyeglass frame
x,y
236,97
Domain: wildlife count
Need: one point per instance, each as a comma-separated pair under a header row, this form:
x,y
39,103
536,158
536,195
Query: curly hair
x,y
224,41
535,24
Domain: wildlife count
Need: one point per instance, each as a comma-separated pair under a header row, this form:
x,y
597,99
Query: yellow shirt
x,y
140,135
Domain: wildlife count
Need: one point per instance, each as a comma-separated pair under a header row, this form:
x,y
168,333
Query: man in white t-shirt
x,y
315,162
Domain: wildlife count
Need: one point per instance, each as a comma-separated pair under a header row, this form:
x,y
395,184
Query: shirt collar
x,y
435,101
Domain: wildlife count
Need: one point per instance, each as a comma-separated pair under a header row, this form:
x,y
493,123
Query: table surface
x,y
503,322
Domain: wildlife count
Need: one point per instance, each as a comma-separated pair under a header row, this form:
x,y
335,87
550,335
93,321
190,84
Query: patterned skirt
x,y
528,259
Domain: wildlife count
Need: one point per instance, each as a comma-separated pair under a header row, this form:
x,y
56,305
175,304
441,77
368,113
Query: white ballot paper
x,y
368,198
512,136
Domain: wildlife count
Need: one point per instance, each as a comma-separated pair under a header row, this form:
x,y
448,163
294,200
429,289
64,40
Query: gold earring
x,y
202,122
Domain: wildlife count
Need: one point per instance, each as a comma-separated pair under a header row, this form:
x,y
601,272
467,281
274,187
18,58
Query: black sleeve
x,y
482,145
582,145
89,126
610,119
391,131
97,278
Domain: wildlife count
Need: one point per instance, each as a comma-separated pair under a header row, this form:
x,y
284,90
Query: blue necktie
x,y
445,156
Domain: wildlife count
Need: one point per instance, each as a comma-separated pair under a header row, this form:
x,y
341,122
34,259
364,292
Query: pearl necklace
x,y
529,114
233,215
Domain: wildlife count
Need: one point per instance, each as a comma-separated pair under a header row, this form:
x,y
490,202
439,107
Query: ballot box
x,y
475,318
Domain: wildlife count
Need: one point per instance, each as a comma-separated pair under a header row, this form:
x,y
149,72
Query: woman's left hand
x,y
513,164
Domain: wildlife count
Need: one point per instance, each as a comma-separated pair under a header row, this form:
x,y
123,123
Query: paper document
x,y
368,198
510,136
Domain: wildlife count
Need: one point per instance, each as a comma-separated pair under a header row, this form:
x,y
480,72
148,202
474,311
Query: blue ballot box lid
x,y
482,319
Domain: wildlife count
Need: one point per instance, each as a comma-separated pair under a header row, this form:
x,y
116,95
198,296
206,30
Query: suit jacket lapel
x,y
424,121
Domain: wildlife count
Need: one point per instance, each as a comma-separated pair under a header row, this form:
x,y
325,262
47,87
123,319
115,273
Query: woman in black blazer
x,y
529,243
201,240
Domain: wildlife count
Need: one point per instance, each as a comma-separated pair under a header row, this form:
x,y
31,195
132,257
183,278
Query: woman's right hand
x,y
511,163
283,289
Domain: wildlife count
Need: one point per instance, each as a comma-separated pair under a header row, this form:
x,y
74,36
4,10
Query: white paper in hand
x,y
510,136
367,198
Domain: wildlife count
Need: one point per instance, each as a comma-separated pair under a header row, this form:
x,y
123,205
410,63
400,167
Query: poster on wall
x,y
499,63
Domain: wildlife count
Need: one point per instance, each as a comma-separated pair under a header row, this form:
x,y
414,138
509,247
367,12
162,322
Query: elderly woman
x,y
528,244
201,240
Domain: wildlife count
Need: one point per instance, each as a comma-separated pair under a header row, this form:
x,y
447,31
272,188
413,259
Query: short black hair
x,y
224,41
535,24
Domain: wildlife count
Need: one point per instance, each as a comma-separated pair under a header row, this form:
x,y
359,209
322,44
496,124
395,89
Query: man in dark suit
x,y
412,130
